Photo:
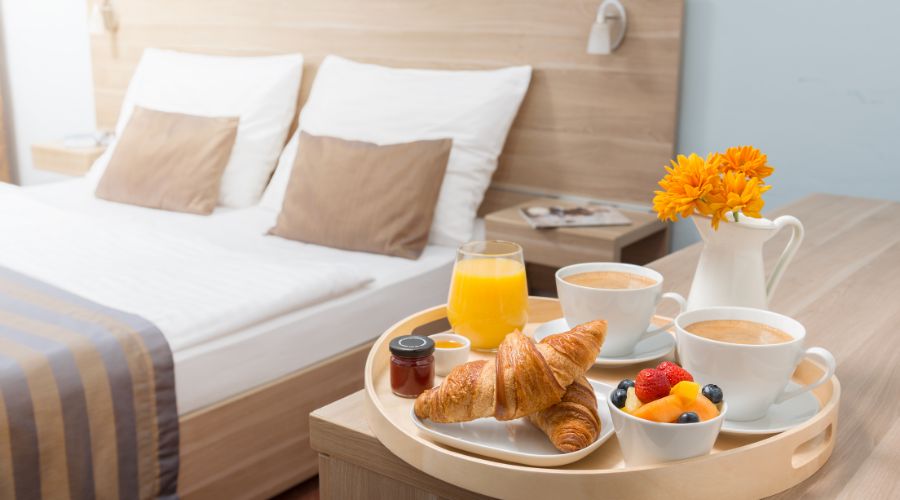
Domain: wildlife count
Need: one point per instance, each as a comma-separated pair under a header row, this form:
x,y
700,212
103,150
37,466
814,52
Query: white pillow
x,y
383,105
262,91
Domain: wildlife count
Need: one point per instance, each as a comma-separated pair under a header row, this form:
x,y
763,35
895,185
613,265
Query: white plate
x,y
780,417
516,441
651,348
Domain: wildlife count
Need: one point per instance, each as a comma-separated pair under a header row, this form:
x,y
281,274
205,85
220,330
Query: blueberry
x,y
712,393
625,384
618,397
688,417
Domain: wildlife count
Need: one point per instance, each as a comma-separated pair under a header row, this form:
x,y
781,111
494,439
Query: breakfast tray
x,y
740,466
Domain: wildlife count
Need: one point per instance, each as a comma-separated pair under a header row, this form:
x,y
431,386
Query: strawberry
x,y
674,372
651,384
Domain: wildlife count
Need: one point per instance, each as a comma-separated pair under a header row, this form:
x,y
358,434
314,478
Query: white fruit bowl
x,y
644,442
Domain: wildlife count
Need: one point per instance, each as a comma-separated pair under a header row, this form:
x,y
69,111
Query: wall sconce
x,y
609,28
103,18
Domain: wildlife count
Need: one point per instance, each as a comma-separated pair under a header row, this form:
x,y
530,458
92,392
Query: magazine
x,y
543,217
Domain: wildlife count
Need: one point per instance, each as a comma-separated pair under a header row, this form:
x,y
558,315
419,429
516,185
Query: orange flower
x,y
738,194
689,182
722,184
744,159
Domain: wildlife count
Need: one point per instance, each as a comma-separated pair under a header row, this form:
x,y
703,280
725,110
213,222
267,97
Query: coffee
x,y
615,280
736,331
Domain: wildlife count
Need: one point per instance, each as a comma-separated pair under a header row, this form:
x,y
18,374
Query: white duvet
x,y
190,288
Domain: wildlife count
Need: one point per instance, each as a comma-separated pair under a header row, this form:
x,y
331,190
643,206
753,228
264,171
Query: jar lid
x,y
412,346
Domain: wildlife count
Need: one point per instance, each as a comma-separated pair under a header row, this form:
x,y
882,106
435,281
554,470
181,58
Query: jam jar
x,y
412,365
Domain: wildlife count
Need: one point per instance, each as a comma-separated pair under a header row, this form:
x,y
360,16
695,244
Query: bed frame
x,y
256,444
591,126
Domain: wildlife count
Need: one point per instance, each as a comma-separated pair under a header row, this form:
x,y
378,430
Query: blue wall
x,y
814,83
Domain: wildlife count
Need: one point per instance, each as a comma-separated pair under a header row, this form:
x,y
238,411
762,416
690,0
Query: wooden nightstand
x,y
546,250
55,157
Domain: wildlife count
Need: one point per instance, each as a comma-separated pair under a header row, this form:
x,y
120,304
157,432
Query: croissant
x,y
573,423
524,378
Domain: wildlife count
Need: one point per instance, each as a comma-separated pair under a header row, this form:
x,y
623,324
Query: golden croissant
x,y
573,423
524,378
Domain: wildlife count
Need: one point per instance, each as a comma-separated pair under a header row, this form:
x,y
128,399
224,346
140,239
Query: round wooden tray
x,y
738,467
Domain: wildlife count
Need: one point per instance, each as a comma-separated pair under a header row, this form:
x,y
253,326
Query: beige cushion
x,y
170,161
361,196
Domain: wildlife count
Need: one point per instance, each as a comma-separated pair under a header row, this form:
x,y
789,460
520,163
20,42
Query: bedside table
x,y
546,250
55,157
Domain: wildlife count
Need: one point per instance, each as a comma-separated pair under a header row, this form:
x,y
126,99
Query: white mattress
x,y
213,368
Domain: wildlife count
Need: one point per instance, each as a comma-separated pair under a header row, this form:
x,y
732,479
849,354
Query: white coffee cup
x,y
752,377
627,311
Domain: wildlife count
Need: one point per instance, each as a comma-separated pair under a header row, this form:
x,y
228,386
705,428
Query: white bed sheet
x,y
211,370
192,289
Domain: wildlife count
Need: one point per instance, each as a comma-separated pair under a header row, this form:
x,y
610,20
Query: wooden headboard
x,y
595,126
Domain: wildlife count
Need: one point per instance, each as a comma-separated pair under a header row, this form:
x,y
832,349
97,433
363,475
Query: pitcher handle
x,y
789,251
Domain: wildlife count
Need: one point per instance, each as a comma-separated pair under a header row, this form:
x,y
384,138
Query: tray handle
x,y
810,448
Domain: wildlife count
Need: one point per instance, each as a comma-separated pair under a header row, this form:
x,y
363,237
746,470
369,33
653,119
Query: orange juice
x,y
488,300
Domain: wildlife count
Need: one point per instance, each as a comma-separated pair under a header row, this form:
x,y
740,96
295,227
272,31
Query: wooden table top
x,y
844,286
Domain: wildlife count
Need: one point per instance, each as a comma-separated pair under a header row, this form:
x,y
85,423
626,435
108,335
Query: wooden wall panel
x,y
598,126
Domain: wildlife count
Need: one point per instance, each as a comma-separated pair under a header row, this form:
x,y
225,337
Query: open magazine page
x,y
542,217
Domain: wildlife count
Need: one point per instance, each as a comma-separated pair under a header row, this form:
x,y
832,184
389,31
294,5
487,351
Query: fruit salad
x,y
667,394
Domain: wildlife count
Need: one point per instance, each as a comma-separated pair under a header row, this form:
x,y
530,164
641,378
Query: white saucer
x,y
780,417
648,349
516,441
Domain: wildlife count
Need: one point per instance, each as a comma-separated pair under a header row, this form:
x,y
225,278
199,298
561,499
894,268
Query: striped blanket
x,y
88,398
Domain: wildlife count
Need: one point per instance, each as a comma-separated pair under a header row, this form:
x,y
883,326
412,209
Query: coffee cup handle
x,y
825,359
681,306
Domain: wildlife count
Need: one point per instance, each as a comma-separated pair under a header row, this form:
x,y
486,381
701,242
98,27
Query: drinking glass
x,y
488,292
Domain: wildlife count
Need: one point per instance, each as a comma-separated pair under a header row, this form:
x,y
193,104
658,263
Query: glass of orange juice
x,y
488,293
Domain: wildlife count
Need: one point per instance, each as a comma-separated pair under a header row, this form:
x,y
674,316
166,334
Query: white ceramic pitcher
x,y
731,270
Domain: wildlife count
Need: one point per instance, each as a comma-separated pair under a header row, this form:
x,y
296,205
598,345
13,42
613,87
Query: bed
x,y
591,127
258,346
223,355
